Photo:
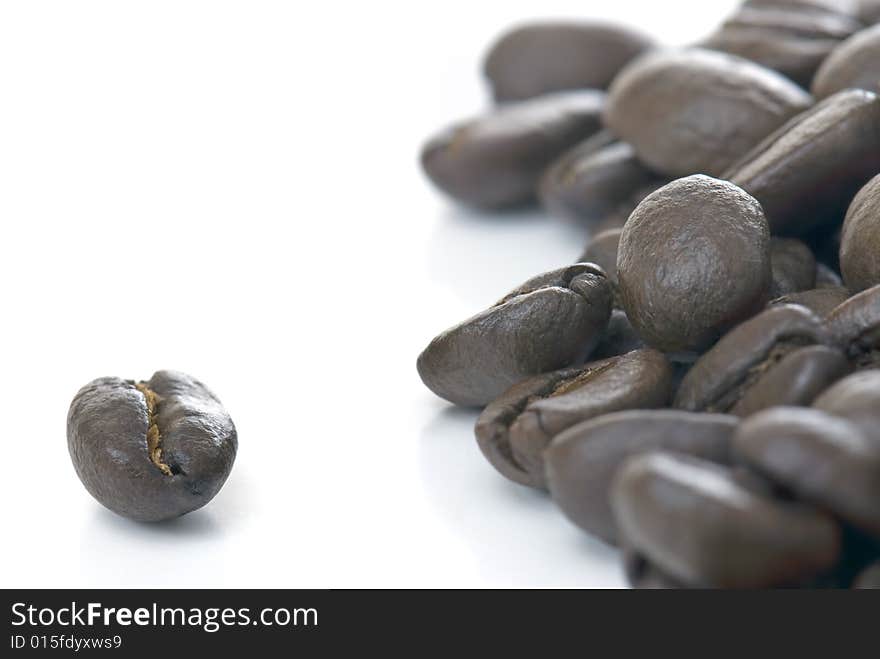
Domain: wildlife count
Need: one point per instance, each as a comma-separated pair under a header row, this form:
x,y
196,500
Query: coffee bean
x,y
792,265
582,461
694,259
869,578
697,111
855,398
826,277
854,64
855,326
496,160
551,321
696,523
821,301
807,172
620,337
822,459
593,180
514,430
748,354
860,240
153,450
539,58
642,575
791,38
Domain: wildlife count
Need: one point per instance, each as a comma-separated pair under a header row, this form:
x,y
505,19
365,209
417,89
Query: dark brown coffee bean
x,y
620,337
860,240
822,459
807,172
855,398
693,520
582,461
694,259
869,578
793,267
854,64
551,321
153,450
514,430
496,160
745,355
855,326
593,180
539,58
698,111
793,40
821,301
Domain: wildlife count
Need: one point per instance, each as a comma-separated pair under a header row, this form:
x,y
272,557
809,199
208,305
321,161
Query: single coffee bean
x,y
724,375
539,58
514,430
551,321
694,259
869,578
792,265
855,398
496,160
821,301
860,240
153,450
698,111
806,173
620,337
593,180
855,326
793,40
826,277
582,461
822,459
694,521
854,64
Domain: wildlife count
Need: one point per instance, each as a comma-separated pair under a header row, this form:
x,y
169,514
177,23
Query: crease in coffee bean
x,y
154,435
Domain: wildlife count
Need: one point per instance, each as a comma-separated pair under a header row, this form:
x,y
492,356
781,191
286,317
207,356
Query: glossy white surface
x,y
231,189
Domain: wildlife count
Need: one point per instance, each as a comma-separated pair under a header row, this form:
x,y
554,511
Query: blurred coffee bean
x,y
855,326
696,523
826,277
693,260
869,11
860,240
539,58
855,398
582,461
793,267
821,301
551,321
620,337
514,430
821,458
642,575
807,172
854,64
697,111
496,160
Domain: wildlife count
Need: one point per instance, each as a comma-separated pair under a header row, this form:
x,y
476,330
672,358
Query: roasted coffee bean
x,y
793,39
821,301
694,259
854,64
551,321
827,278
731,376
697,111
582,461
694,521
855,326
821,458
869,578
807,172
860,240
496,160
153,450
855,398
620,337
514,430
539,58
594,179
792,265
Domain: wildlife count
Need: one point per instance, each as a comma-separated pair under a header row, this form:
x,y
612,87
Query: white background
x,y
231,189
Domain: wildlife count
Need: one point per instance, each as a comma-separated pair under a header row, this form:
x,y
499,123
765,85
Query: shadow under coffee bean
x,y
151,450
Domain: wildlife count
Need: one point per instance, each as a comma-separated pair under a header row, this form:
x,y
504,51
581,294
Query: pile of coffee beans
x,y
702,388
